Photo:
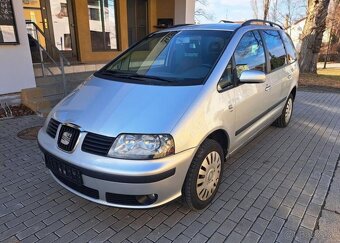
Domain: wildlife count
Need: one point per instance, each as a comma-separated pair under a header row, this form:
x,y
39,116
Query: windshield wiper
x,y
114,73
139,76
134,76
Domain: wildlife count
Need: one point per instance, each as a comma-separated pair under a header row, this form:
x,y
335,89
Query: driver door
x,y
251,99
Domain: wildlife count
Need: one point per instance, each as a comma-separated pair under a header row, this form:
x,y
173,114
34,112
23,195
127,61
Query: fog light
x,y
147,199
152,196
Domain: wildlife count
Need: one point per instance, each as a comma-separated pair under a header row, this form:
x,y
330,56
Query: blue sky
x,y
232,9
240,10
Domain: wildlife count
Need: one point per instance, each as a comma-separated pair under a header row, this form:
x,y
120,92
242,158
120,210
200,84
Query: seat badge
x,y
66,138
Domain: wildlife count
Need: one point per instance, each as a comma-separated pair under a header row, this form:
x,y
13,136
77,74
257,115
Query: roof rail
x,y
249,22
226,21
178,25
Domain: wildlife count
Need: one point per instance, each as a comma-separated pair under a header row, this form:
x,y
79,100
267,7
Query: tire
x,y
286,114
199,191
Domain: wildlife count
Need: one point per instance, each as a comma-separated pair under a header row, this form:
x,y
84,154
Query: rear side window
x,y
276,50
249,54
291,53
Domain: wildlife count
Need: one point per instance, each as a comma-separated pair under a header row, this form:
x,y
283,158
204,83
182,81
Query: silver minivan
x,y
159,121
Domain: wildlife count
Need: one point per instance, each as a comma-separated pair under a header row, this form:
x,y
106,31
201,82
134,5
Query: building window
x,y
102,17
94,14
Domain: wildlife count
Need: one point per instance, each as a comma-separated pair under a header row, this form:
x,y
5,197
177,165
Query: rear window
x,y
277,53
291,53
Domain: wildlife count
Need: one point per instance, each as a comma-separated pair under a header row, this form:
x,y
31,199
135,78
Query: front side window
x,y
276,50
176,57
103,24
291,53
227,79
249,54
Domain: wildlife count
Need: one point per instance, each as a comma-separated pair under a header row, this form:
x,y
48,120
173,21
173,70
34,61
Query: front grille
x,y
97,144
52,128
69,175
68,137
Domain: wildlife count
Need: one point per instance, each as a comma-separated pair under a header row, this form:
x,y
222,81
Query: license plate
x,y
61,169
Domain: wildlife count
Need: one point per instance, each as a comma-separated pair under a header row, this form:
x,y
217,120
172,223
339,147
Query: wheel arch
x,y
293,92
222,137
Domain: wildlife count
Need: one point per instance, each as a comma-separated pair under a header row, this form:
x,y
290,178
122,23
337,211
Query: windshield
x,y
172,58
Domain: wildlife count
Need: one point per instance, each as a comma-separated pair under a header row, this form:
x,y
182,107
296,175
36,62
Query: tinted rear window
x,y
291,53
277,52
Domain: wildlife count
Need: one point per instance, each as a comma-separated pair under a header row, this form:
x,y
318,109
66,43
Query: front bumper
x,y
103,177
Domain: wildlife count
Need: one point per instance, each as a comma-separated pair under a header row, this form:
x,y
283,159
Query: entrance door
x,y
137,20
55,19
59,25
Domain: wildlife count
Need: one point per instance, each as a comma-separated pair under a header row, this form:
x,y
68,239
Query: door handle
x,y
231,107
268,87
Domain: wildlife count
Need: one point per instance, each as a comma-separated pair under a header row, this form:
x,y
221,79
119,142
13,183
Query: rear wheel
x,y
287,112
204,175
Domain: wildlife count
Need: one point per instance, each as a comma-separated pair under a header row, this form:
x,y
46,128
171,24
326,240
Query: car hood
x,y
110,108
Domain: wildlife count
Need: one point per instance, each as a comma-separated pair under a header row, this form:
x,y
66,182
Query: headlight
x,y
137,146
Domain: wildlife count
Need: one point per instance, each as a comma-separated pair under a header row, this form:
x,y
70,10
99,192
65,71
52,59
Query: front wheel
x,y
204,175
287,112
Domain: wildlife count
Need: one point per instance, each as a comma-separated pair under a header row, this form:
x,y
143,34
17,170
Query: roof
x,y
225,25
219,26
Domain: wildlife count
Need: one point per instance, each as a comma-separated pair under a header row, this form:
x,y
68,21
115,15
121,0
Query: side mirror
x,y
252,76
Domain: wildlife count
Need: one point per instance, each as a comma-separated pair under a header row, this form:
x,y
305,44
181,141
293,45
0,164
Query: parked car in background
x,y
159,121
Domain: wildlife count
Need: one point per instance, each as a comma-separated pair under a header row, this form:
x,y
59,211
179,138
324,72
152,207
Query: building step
x,y
50,90
72,69
10,99
36,101
58,79
33,99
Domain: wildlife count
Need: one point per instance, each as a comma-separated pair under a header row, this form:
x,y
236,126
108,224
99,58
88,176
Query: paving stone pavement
x,y
329,230
273,190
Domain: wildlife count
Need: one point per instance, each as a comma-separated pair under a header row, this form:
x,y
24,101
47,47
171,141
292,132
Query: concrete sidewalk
x,y
329,65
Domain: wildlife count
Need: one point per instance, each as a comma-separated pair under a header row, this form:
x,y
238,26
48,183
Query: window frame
x,y
236,80
102,16
264,50
267,52
292,43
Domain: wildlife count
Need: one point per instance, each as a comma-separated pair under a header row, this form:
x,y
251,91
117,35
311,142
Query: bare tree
x,y
266,7
201,11
336,23
312,35
287,12
275,11
255,8
333,25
